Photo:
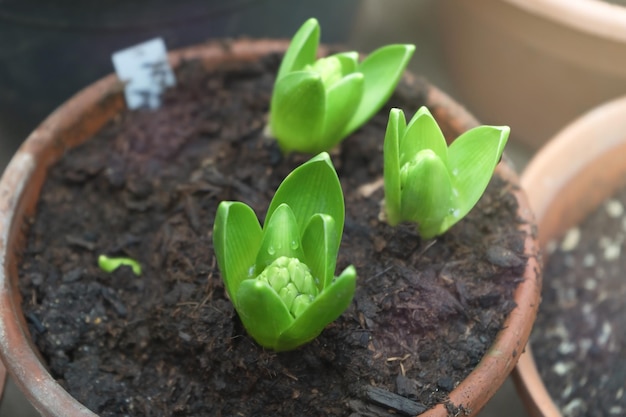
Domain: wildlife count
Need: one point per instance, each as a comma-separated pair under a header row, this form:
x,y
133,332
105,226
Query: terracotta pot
x,y
515,61
83,115
566,181
3,378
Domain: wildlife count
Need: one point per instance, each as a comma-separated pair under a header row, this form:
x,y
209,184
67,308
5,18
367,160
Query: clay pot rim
x,y
32,159
595,17
547,174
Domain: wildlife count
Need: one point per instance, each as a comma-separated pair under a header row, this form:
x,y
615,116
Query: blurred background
x,y
508,61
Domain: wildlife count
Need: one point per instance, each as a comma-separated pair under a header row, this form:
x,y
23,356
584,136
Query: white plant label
x,y
145,71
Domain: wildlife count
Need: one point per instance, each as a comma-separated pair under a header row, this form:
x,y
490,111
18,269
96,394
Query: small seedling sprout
x,y
280,277
111,264
429,183
316,103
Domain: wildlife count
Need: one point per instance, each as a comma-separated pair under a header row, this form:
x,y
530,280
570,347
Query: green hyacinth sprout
x,y
111,264
280,277
429,183
318,102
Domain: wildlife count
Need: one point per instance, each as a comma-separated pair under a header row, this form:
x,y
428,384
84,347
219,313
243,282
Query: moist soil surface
x,y
168,342
579,340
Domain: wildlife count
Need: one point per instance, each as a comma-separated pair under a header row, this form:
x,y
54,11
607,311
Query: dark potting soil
x,y
579,341
168,342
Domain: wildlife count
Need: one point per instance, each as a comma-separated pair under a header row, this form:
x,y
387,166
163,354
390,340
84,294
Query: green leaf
x,y
391,152
111,264
281,237
326,308
473,157
310,189
423,132
382,70
302,50
342,100
262,312
349,61
427,192
328,68
321,245
297,111
237,236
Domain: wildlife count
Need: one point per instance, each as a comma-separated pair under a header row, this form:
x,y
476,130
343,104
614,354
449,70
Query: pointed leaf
x,y
262,312
297,111
237,237
312,188
326,308
321,246
426,194
302,49
382,69
342,100
423,132
391,166
281,237
473,157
